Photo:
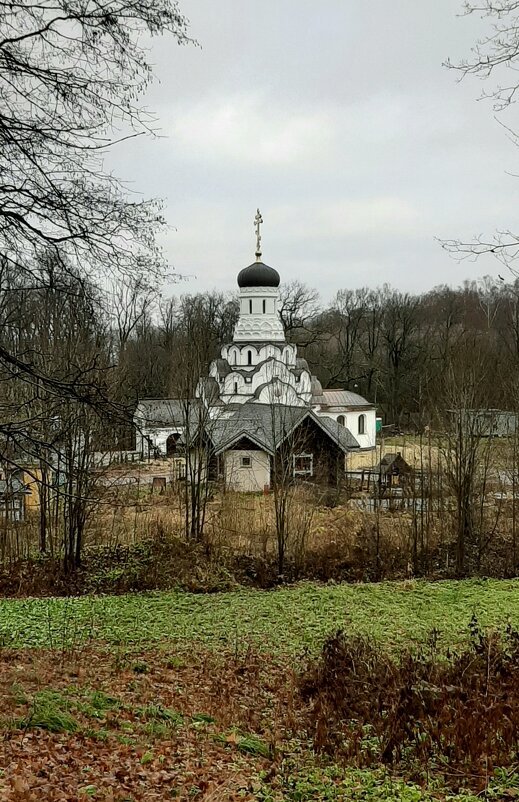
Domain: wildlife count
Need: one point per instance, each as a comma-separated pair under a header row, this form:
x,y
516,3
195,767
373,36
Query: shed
x,y
393,470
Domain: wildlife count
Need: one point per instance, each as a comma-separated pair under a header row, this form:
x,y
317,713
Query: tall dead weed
x,y
453,714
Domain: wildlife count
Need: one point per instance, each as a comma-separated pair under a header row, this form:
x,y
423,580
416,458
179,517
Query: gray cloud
x,y
339,121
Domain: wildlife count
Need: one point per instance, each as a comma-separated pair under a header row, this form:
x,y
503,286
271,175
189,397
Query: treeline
x,y
412,355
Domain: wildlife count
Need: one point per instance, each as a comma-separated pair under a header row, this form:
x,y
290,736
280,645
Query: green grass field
x,y
135,712
284,620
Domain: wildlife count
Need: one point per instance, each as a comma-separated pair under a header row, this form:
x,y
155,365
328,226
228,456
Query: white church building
x,y
258,371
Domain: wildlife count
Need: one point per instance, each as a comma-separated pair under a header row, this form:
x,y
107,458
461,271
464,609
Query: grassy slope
x,y
284,620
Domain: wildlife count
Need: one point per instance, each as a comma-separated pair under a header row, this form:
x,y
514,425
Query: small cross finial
x,y
257,222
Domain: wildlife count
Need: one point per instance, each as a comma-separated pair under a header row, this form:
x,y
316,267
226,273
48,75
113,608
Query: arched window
x,y
264,306
235,388
235,358
249,357
171,444
250,306
362,424
340,420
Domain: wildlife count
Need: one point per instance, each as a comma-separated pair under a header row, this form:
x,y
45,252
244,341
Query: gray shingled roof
x,y
340,433
161,412
269,425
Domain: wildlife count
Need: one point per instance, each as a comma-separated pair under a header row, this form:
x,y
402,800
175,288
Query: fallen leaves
x,y
162,734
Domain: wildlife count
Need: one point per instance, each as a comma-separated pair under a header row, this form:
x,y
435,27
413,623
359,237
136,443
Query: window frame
x,y
246,462
306,471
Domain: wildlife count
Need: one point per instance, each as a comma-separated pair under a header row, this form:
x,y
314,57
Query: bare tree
x,y
466,452
70,74
299,309
494,57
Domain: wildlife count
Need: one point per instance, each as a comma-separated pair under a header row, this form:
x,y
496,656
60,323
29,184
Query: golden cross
x,y
257,221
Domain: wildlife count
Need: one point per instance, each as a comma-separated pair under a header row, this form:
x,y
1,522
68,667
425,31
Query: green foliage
x,y
96,703
252,745
332,784
286,620
50,711
156,712
202,718
147,757
141,668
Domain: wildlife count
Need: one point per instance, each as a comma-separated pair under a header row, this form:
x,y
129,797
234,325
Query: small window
x,y
303,464
298,378
340,420
249,357
235,388
264,307
248,379
250,306
246,462
362,424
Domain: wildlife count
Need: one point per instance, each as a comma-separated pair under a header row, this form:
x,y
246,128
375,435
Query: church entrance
x,y
171,444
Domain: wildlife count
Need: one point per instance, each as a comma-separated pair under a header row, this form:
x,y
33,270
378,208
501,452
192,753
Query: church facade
x,y
259,395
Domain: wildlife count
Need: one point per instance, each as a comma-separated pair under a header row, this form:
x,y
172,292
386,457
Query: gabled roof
x,y
392,459
340,433
268,426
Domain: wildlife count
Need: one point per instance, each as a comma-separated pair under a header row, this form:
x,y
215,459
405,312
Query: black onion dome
x,y
258,275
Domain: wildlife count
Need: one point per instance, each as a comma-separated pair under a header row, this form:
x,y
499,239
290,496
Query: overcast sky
x,y
338,120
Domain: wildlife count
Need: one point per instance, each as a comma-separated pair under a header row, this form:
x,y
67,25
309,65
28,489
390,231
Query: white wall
x,y
351,421
269,370
157,437
250,479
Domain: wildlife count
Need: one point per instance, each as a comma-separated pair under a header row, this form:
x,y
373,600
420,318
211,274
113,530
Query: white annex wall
x,y
351,421
247,479
157,437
